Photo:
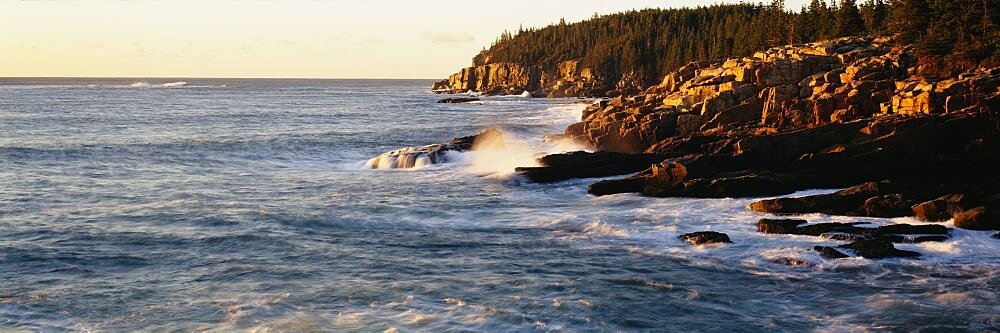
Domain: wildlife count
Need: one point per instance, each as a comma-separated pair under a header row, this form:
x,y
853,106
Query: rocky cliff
x,y
566,79
783,89
849,113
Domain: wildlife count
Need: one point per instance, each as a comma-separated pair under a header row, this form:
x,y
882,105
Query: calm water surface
x,y
244,205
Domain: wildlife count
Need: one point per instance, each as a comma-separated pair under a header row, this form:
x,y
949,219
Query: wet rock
x,y
819,229
979,218
916,238
997,236
705,237
616,186
829,252
411,157
580,164
664,175
844,236
844,202
877,248
887,206
455,100
940,209
899,233
794,262
775,226
923,229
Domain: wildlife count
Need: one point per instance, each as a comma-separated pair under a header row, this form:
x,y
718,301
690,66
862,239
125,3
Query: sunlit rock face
x,y
415,157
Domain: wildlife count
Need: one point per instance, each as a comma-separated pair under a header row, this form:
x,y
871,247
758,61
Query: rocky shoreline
x,y
851,113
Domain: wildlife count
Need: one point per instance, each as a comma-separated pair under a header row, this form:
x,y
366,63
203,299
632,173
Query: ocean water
x,y
223,205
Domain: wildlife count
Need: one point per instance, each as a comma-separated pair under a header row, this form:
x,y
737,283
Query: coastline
x,y
848,113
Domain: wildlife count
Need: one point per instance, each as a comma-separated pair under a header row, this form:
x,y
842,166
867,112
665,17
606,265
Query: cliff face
x,y
568,78
781,89
845,112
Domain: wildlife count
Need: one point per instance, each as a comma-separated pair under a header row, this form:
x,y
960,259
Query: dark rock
x,y
773,226
580,164
887,206
818,229
737,185
455,100
899,233
848,201
940,209
616,186
979,218
844,236
705,237
997,236
923,229
829,252
877,248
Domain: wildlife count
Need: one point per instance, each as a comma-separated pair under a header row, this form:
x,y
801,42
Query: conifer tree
x,y
849,21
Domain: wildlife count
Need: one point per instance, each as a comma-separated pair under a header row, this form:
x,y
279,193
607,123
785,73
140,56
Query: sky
x,y
282,39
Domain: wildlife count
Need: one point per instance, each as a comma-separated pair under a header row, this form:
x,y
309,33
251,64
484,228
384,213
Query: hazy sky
x,y
322,39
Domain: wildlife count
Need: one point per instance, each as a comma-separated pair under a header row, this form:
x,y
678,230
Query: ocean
x,y
233,204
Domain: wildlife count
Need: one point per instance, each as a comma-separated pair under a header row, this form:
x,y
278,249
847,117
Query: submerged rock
x,y
455,100
877,248
705,237
829,252
412,157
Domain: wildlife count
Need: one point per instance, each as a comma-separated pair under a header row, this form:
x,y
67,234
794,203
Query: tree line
x,y
948,35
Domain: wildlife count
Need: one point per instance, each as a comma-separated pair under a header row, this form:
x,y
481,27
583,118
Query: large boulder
x,y
940,209
779,226
979,218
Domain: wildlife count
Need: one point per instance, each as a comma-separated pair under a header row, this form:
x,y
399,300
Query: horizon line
x,y
210,77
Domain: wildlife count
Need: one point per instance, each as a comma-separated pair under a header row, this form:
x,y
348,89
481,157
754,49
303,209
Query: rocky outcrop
x,y
705,237
411,157
847,113
565,79
783,89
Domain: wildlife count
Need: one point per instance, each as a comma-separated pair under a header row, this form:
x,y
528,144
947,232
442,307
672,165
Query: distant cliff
x,y
567,78
620,54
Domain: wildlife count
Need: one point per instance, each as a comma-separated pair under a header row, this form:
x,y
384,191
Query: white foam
x,y
142,84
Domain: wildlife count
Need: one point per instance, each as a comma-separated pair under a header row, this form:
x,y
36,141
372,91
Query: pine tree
x,y
909,19
849,21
